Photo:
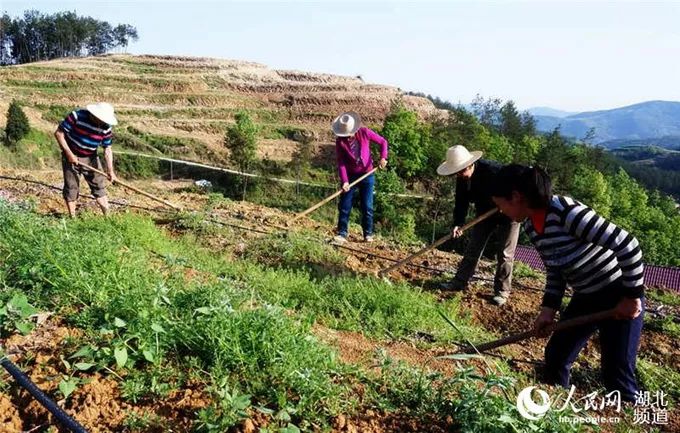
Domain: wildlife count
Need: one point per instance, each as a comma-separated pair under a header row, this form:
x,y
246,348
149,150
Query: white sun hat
x,y
104,112
457,158
346,124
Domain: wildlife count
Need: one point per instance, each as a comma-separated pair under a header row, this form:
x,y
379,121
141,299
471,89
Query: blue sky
x,y
574,56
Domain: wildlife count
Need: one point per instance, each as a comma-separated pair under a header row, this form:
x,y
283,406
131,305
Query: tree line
x,y
655,167
417,146
37,36
578,169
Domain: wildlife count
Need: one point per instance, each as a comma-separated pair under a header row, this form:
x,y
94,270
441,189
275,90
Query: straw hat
x,y
457,158
104,112
346,124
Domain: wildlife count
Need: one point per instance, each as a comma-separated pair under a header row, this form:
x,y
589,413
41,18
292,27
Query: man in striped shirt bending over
x,y
79,135
601,262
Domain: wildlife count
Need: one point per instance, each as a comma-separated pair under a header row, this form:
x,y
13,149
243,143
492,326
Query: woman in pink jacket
x,y
352,148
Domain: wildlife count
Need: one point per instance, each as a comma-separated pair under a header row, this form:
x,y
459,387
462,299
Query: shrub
x,y
392,218
17,124
240,139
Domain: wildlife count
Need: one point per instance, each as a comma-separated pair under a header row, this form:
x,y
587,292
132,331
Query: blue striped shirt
x,y
585,251
82,136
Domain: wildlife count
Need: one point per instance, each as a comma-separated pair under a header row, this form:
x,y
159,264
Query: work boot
x,y
500,299
339,240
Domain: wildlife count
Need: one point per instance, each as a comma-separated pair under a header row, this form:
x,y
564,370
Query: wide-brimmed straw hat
x,y
457,159
346,124
104,112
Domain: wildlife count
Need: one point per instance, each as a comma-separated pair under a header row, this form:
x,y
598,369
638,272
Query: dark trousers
x,y
507,233
619,341
365,188
96,181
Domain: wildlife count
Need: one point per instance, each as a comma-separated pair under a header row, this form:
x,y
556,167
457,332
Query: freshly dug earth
x,y
97,404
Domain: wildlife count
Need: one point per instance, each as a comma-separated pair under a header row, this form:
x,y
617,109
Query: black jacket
x,y
477,190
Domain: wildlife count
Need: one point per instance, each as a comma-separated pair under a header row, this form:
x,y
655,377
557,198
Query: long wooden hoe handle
x,y
329,198
558,326
436,243
128,186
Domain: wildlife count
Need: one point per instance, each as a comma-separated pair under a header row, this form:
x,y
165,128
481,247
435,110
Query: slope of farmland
x,y
226,325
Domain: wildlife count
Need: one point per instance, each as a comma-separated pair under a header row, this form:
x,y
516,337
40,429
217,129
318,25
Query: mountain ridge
x,y
644,120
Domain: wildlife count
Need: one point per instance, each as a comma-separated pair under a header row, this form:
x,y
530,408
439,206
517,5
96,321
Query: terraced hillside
x,y
194,99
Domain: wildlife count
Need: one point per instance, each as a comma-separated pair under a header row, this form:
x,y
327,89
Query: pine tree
x,y
17,124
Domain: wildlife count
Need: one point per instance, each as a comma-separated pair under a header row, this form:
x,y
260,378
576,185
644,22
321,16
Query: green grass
x,y
164,311
261,115
276,131
302,272
666,297
666,325
131,138
123,281
98,277
474,402
296,251
54,112
654,377
137,66
35,151
521,270
47,86
363,304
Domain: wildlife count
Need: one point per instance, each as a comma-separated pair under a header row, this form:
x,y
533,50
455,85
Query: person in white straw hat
x,y
474,181
352,149
79,135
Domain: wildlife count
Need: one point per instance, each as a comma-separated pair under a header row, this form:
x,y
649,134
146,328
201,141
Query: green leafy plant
x,y
68,384
145,384
392,218
229,408
15,315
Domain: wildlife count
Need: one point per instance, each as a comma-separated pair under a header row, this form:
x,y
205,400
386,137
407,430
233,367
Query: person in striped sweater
x,y
79,135
601,262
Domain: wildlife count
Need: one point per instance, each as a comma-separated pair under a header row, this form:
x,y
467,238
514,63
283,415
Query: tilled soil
x,y
96,404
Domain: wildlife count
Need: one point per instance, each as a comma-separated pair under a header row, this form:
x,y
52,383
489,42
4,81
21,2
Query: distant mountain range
x,y
640,122
549,112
